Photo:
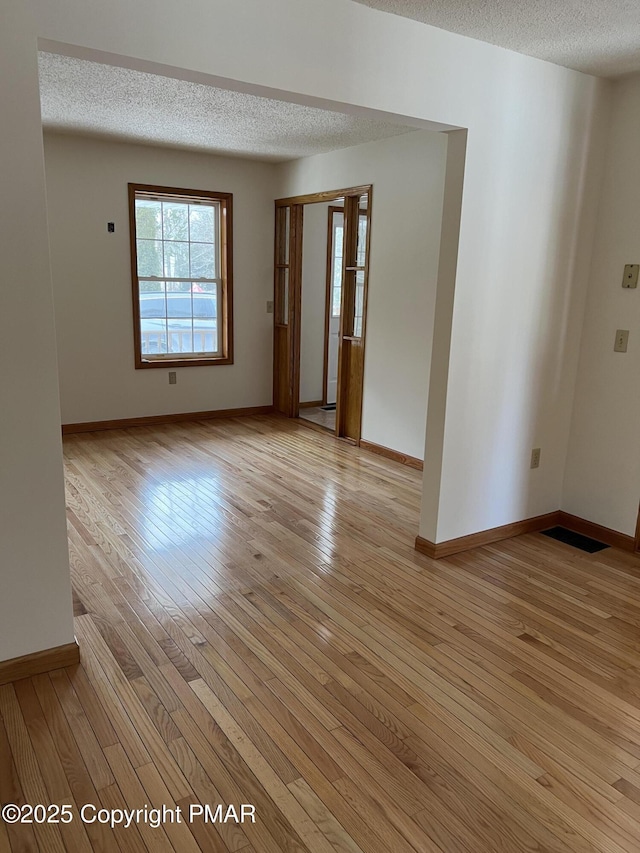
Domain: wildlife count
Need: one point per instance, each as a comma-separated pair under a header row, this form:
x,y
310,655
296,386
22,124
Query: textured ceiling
x,y
85,97
599,37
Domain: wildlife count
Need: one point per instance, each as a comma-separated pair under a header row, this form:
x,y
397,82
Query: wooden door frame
x,y
328,305
292,325
295,283
350,248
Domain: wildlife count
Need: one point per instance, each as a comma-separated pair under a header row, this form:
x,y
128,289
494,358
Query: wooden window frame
x,y
225,306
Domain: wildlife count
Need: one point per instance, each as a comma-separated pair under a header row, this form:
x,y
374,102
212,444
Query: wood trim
x,y
295,304
311,404
486,537
225,328
347,249
277,324
327,195
226,263
125,423
328,300
183,362
596,531
637,542
135,296
38,662
528,525
388,453
155,189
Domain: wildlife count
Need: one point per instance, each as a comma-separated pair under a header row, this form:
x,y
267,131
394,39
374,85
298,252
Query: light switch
x,y
622,339
269,307
630,277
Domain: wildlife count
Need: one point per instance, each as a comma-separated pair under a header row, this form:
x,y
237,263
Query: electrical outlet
x,y
111,227
535,457
173,377
269,307
622,339
630,277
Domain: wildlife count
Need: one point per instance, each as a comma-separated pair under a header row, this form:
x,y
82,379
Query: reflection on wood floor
x,y
255,627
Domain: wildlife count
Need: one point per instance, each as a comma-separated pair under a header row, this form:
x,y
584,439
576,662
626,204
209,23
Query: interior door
x,y
334,294
286,334
355,270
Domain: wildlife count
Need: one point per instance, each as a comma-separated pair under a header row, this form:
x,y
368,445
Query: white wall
x,y
524,243
87,187
407,173
442,328
602,480
314,289
35,594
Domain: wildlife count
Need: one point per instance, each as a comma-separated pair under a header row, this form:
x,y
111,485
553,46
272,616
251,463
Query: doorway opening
x,y
322,256
321,279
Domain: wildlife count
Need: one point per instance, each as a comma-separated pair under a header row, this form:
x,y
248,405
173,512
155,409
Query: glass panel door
x,y
353,314
286,307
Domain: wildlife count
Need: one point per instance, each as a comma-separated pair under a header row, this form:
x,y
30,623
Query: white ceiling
x,y
85,97
600,37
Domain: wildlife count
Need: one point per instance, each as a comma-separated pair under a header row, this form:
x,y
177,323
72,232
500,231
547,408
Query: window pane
x,y
362,240
176,260
359,305
153,334
203,223
149,257
205,335
282,297
153,324
338,234
337,298
203,260
205,317
148,219
283,223
179,301
180,335
175,220
204,300
287,234
152,299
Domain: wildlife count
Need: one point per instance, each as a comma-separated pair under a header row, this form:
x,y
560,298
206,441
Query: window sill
x,y
182,362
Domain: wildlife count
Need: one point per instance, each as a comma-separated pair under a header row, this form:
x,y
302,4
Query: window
x,y
182,282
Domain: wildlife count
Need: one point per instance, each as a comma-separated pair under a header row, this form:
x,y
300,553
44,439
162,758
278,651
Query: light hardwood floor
x,y
255,627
